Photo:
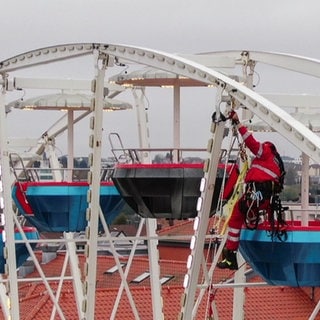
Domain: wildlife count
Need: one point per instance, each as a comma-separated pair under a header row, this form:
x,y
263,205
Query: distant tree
x,y
127,210
291,176
120,219
158,158
127,216
290,193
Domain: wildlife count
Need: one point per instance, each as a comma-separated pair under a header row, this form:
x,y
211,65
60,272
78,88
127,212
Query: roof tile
x,y
260,302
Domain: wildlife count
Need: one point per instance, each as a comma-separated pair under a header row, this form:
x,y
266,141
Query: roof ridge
x,y
142,288
165,229
34,295
38,305
32,288
176,262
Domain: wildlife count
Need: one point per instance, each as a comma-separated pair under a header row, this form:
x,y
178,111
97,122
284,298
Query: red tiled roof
x,y
268,302
183,227
260,303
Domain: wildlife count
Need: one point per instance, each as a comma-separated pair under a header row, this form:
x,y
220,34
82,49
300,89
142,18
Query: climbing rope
x,y
216,231
212,292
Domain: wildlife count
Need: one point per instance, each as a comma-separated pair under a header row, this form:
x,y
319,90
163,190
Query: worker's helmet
x,y
270,145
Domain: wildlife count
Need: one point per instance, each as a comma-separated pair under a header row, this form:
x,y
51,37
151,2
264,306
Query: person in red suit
x,y
262,181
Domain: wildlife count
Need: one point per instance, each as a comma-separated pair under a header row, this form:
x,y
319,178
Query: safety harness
x,y
256,194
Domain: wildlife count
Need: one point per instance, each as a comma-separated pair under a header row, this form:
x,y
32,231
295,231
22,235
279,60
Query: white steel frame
x,y
194,67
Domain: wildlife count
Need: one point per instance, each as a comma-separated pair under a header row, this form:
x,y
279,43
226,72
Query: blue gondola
x,y
61,206
22,252
291,260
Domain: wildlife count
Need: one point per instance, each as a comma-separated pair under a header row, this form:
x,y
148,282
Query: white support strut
x,y
9,244
93,196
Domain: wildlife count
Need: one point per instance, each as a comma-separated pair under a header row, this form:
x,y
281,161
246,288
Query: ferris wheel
x,y
233,89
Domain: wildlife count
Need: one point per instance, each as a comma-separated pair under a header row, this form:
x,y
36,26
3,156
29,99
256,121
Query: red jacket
x,y
264,166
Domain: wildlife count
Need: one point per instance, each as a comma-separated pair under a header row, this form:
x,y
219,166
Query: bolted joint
x,y
106,60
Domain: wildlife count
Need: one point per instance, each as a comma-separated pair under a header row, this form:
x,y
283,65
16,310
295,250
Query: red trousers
x,y
238,217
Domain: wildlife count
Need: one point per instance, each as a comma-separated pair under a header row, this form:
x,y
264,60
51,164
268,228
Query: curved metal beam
x,y
290,62
46,55
279,120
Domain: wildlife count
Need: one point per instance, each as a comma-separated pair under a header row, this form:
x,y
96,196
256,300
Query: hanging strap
x,y
237,192
238,189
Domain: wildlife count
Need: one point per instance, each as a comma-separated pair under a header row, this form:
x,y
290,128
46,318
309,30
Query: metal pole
x,y
238,293
151,224
9,241
157,303
4,299
315,312
75,271
201,223
93,196
142,117
304,189
176,121
70,146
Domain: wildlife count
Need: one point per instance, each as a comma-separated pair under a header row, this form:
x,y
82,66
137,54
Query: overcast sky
x,y
288,26
169,25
